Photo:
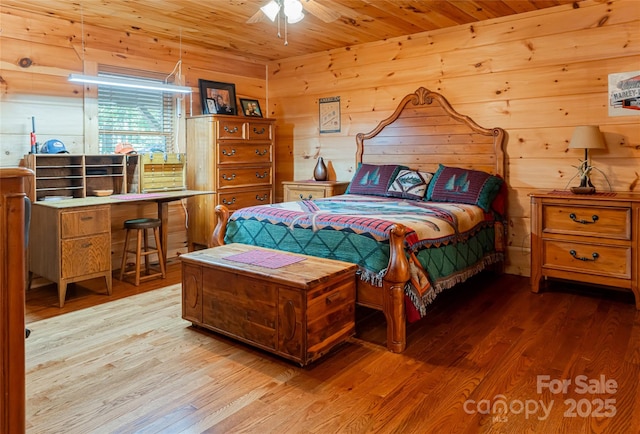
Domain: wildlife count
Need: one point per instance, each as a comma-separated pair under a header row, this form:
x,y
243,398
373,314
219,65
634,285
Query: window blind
x,y
141,117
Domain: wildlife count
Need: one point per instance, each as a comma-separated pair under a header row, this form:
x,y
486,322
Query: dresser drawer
x,y
231,129
87,221
259,130
236,153
612,261
240,199
243,176
603,222
86,255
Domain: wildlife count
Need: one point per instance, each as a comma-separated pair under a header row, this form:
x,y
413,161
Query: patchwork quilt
x,y
446,243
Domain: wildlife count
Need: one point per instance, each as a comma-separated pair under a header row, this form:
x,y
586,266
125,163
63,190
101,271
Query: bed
x,y
424,211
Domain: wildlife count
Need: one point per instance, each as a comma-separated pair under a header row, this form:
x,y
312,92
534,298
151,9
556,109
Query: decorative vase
x,y
320,171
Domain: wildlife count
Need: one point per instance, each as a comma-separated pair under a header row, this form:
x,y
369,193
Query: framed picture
x,y
217,98
329,114
251,107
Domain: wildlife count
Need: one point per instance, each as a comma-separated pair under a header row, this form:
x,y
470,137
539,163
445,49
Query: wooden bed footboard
x,y
389,298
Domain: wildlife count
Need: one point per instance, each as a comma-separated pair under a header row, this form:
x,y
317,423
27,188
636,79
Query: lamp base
x,y
583,190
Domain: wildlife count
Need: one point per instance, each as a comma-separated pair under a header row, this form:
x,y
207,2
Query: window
x,y
141,117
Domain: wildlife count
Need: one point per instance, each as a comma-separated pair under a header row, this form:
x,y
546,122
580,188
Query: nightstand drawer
x,y
612,261
589,221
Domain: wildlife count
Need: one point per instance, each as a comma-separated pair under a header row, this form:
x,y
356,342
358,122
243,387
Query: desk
x,y
71,238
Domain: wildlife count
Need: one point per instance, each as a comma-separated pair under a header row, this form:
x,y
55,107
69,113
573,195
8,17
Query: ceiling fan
x,y
292,11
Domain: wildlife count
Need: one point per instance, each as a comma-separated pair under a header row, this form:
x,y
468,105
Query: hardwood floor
x,y
129,364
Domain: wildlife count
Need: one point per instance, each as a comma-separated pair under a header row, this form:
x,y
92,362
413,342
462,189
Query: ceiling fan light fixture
x,y
271,9
295,19
293,10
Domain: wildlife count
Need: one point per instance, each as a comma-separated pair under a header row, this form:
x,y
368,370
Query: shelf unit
x,y
75,176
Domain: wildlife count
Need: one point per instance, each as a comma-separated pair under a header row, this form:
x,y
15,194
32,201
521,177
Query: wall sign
x,y
329,114
624,94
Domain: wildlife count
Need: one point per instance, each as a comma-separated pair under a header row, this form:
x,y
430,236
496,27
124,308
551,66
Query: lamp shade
x,y
587,137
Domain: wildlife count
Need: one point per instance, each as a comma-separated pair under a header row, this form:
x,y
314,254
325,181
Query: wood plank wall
x,y
63,110
537,75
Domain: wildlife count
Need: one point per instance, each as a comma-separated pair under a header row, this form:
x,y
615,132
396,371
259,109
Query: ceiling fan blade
x,y
257,17
322,12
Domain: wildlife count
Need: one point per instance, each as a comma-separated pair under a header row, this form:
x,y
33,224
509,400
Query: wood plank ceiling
x,y
223,24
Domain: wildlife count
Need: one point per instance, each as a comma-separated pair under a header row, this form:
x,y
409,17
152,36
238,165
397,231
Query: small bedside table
x,y
592,238
297,190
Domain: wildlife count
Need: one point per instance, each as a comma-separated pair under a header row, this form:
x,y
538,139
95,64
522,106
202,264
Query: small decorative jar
x,y
320,171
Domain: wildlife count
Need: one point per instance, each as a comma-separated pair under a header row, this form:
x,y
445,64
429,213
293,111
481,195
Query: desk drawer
x,y
87,221
86,255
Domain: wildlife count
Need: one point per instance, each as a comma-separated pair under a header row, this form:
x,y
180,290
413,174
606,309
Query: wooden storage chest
x,y
299,311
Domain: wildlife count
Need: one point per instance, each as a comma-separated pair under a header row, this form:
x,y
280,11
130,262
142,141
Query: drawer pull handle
x,y
86,245
308,197
228,178
594,255
594,217
228,202
261,153
262,131
231,130
86,218
224,152
331,298
262,176
263,198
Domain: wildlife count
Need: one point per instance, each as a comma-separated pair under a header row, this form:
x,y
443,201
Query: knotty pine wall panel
x,y
63,111
538,75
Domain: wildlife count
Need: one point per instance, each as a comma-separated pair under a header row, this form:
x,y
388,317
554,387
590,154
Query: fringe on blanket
x,y
374,279
421,303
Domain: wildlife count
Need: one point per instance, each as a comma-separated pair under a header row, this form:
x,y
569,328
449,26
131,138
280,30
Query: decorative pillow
x,y
410,184
454,184
373,179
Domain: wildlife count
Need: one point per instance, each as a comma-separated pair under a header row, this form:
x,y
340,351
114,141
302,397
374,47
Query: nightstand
x,y
297,190
586,238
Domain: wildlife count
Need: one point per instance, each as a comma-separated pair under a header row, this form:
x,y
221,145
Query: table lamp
x,y
586,137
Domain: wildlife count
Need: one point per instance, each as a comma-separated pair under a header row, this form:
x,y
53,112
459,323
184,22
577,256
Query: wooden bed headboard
x,y
425,131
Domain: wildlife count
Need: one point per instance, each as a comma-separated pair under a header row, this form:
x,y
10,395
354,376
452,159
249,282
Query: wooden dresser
x,y
233,156
298,190
586,238
13,209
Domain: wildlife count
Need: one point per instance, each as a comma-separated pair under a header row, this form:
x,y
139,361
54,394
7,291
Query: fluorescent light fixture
x,y
134,83
271,10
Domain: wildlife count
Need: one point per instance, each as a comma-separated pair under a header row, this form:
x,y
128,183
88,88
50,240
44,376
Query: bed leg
x,y
394,313
222,217
393,283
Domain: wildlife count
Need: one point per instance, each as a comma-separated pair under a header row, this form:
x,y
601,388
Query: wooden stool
x,y
141,226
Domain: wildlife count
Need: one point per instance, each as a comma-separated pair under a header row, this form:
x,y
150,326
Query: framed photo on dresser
x,y
217,98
